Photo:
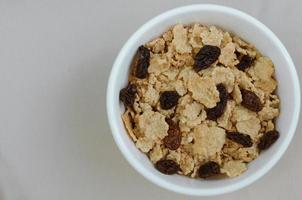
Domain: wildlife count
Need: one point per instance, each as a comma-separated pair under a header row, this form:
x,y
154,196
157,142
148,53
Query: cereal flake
x,y
157,45
180,40
225,76
153,125
158,64
204,90
227,56
211,36
208,140
233,168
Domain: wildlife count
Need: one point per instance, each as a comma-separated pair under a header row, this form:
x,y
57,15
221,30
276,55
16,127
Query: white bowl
x,y
245,27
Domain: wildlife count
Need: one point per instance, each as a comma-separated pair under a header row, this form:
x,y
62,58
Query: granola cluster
x,y
200,102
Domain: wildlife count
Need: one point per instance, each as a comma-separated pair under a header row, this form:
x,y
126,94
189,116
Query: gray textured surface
x,y
55,58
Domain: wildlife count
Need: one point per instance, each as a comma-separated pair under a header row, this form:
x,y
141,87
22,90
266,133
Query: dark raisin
x,y
208,169
223,93
173,140
168,99
206,56
230,96
240,138
167,166
268,139
154,109
218,110
251,101
127,95
141,62
238,55
245,62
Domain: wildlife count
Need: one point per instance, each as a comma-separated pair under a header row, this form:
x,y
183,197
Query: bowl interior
x,y
248,29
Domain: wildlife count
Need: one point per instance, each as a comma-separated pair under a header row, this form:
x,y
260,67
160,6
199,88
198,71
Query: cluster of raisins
x,y
169,167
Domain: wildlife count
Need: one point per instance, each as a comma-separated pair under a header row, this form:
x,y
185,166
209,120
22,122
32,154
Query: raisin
x,y
238,55
208,169
223,93
268,139
240,138
245,62
127,95
206,56
167,166
141,62
218,110
251,101
168,99
173,140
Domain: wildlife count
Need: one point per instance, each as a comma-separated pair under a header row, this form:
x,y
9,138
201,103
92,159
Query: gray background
x,y
55,57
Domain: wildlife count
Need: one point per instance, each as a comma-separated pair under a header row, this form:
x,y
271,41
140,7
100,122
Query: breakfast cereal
x,y
201,102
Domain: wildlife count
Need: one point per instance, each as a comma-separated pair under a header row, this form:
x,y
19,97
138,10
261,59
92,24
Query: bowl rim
x,y
173,187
